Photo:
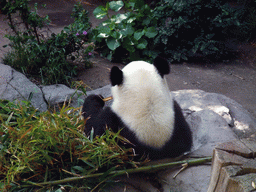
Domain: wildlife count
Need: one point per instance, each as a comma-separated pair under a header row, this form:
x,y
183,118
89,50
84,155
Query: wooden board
x,y
234,167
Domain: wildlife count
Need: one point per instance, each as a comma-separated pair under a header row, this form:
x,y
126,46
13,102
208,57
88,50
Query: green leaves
x,y
131,30
35,55
116,5
112,43
138,34
151,32
100,12
142,44
186,28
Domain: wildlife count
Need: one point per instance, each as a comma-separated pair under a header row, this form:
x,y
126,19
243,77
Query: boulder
x,y
58,94
15,86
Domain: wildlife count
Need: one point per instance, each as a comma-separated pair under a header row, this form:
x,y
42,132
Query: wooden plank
x,y
234,167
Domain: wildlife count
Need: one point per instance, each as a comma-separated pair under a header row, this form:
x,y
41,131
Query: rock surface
x,y
57,94
16,86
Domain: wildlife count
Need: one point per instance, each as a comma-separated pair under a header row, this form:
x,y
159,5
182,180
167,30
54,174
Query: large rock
x,y
15,86
59,93
214,119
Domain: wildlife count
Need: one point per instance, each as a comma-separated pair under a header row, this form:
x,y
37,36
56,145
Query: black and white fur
x,y
144,109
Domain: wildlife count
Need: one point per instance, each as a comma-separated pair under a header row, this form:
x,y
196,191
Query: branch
x,y
150,168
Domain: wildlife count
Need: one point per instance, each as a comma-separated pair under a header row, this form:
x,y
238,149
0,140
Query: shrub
x,y
33,53
187,28
179,29
125,36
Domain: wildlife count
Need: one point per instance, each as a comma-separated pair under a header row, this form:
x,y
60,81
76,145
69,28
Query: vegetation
x,y
179,29
39,147
126,36
37,54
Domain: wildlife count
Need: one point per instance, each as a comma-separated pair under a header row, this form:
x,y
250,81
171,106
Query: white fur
x,y
144,103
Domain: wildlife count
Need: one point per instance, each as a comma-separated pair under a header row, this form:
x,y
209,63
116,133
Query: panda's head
x,y
139,77
160,68
141,98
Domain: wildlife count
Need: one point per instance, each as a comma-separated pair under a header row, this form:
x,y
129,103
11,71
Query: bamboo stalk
x,y
150,168
107,99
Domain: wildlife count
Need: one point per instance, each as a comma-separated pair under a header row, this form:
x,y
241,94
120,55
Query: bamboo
x,y
107,99
150,168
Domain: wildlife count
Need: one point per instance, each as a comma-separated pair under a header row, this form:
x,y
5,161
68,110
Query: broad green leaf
x,y
116,5
104,30
100,12
131,19
116,35
112,43
103,35
128,44
129,30
138,34
119,18
143,44
151,32
146,21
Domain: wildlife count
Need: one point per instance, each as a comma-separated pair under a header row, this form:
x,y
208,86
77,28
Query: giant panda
x,y
143,109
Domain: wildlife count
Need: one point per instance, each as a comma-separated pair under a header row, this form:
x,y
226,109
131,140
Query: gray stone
x,y
59,93
15,86
238,119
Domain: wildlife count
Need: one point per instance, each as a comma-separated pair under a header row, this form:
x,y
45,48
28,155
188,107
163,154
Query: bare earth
x,y
233,78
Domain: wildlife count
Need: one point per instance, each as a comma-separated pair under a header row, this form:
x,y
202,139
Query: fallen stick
x,y
150,168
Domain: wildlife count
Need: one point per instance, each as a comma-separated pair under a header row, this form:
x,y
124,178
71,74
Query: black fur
x,y
116,76
162,66
180,141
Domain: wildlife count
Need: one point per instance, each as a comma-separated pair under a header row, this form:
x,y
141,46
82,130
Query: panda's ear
x,y
162,65
116,76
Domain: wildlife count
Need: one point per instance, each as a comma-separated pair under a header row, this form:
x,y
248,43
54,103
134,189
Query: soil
x,y
234,78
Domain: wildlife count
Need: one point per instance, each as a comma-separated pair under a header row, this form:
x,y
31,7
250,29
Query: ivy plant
x,y
129,34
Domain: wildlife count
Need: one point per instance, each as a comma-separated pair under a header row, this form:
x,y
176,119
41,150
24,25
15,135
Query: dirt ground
x,y
234,78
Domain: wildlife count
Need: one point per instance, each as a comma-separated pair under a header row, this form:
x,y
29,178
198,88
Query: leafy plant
x,y
40,147
194,27
46,57
128,35
179,29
